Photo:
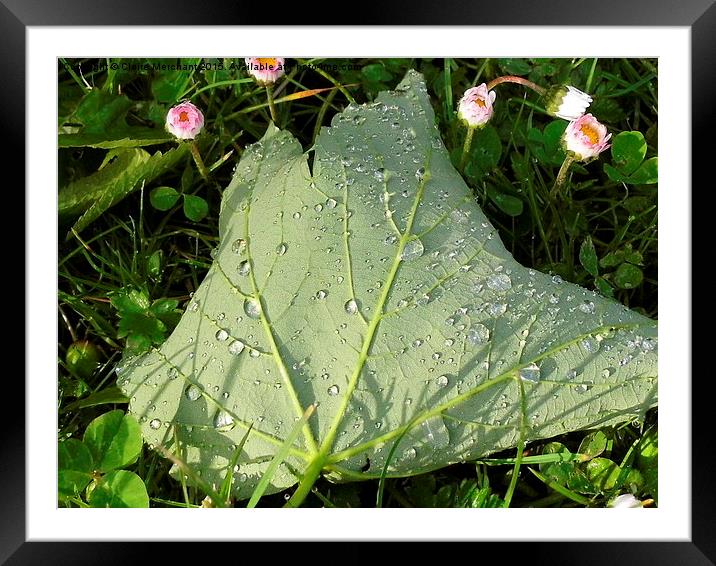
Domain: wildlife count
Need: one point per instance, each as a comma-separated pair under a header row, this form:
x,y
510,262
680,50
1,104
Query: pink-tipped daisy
x,y
184,121
586,137
475,106
266,70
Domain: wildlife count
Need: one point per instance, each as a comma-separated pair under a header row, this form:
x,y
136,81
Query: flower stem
x,y
466,147
517,80
199,161
272,106
562,175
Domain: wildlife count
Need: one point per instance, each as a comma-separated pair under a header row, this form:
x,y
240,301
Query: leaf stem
x,y
466,147
198,160
562,175
517,80
272,106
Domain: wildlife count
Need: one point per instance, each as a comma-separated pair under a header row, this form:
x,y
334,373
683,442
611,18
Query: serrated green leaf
x,y
168,86
588,257
195,208
163,306
74,467
604,287
514,66
375,286
163,198
119,488
628,151
612,259
90,196
100,121
114,440
628,276
376,72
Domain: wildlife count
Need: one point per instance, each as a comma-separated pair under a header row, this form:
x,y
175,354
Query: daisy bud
x,y
586,137
475,106
567,102
266,70
184,121
625,501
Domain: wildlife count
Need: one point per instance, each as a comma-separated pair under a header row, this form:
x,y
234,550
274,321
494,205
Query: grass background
x,y
512,167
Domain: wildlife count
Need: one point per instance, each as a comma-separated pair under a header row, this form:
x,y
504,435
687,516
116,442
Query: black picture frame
x,y
698,15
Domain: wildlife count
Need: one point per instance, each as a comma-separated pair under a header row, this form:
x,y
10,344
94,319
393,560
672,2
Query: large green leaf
x,y
100,121
376,287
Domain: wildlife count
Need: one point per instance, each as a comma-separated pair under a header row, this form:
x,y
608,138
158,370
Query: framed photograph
x,y
404,274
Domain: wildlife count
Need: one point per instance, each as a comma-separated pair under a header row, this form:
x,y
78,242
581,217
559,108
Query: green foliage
x,y
547,145
111,441
628,165
195,208
74,462
163,198
379,292
114,440
82,358
123,171
100,120
119,488
142,323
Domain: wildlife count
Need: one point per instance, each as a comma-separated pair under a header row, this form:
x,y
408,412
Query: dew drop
x,y
478,334
331,203
281,248
583,387
497,309
412,250
499,282
223,421
222,335
252,308
587,307
236,347
333,390
155,424
442,381
192,392
322,294
239,246
590,345
351,306
173,373
244,268
530,373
